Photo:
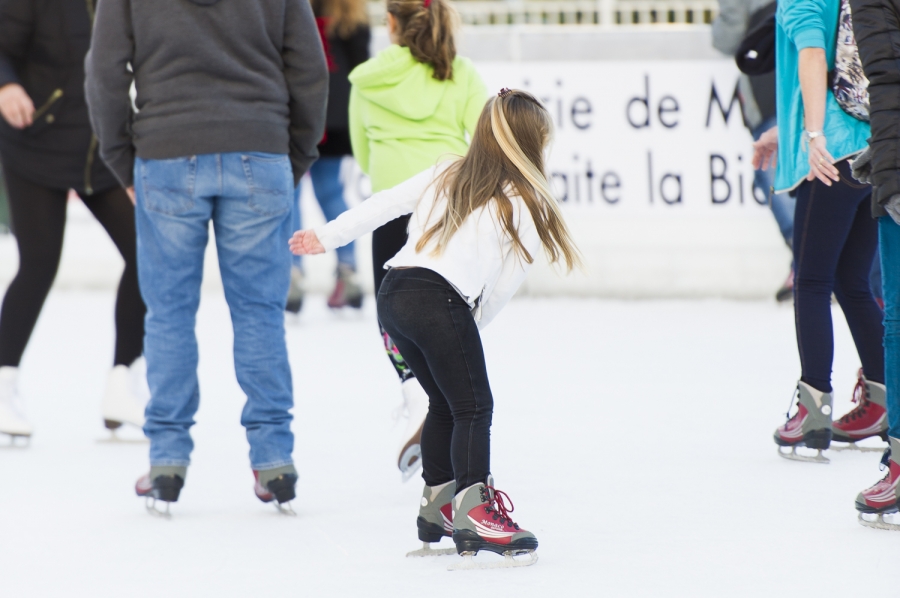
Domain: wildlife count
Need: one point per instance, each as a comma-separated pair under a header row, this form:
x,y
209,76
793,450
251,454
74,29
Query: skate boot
x,y
164,482
125,396
277,484
12,421
347,291
882,498
415,402
296,292
481,522
867,419
435,519
809,427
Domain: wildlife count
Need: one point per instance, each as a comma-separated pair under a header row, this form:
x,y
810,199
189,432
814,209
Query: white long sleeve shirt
x,y
479,260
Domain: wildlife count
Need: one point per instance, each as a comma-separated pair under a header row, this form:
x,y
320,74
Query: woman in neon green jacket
x,y
412,105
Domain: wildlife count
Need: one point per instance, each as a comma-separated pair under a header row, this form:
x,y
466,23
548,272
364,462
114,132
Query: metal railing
x,y
575,12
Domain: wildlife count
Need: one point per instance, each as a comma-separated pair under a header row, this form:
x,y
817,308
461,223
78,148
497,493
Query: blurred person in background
x,y
344,28
757,95
876,24
230,105
835,237
411,106
47,147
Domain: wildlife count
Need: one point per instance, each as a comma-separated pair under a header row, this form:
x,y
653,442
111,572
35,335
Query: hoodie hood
x,y
399,83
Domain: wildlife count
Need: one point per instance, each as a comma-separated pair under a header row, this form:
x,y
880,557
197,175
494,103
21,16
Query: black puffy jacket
x,y
876,26
42,47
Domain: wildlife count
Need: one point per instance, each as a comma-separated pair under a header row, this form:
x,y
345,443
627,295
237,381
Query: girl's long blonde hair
x,y
344,17
506,155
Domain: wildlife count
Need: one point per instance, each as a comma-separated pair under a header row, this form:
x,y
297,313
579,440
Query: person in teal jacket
x,y
835,237
412,105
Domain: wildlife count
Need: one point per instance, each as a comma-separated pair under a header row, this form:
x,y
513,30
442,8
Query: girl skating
x,y
474,229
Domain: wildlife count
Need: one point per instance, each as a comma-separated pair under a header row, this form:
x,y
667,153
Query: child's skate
x,y
882,498
435,519
162,483
124,399
867,420
809,427
277,485
347,292
481,522
12,421
415,402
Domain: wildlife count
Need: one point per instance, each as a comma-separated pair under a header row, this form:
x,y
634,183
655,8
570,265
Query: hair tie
x,y
504,92
427,3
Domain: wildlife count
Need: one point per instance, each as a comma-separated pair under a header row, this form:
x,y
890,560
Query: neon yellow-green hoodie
x,y
403,120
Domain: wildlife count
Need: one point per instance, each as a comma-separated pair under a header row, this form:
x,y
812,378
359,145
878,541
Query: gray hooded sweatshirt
x,y
212,76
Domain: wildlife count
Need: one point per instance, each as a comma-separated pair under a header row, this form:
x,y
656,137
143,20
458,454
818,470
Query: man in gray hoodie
x,y
230,106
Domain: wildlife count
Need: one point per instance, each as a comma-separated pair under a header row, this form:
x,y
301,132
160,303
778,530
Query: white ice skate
x,y
415,403
12,421
125,397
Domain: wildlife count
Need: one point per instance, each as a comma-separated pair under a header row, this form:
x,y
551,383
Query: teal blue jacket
x,y
808,24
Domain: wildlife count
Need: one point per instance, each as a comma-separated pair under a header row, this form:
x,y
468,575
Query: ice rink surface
x,y
634,438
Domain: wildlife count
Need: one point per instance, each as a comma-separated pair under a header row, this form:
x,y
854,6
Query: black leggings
x,y
835,238
38,216
435,330
387,240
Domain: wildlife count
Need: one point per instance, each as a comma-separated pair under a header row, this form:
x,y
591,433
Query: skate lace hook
x,y
500,498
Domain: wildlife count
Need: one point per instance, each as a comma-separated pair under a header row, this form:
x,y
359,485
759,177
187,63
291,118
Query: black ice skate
x,y
163,483
277,485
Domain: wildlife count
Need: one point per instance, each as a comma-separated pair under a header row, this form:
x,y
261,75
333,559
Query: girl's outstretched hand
x,y
305,242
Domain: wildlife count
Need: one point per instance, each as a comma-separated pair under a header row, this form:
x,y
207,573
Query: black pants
x,y
835,238
38,216
434,329
387,240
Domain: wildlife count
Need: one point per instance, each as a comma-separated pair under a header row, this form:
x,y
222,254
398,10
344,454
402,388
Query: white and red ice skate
x,y
882,498
867,420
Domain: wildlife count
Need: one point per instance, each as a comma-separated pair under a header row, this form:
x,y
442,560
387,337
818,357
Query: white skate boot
x,y
12,422
126,396
415,402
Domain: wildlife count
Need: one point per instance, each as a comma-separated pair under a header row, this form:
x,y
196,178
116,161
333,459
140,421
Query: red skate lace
x,y
859,397
498,504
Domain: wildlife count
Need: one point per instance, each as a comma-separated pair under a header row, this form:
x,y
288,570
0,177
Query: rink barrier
x,y
576,12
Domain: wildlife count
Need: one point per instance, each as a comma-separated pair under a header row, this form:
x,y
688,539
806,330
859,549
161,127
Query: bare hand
x,y
15,106
130,192
821,164
305,242
765,150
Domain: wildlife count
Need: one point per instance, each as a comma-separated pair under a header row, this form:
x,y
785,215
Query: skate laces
x,y
859,397
499,507
796,393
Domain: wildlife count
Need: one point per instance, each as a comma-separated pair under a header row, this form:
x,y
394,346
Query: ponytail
x,y
426,27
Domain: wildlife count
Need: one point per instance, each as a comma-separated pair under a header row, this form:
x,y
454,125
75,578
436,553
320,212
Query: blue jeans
x,y
889,239
248,199
326,179
782,204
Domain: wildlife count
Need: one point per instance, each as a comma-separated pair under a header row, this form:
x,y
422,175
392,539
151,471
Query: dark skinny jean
x,y
835,238
436,333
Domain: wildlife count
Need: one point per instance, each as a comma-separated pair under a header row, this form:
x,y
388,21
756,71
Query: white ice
x,y
634,438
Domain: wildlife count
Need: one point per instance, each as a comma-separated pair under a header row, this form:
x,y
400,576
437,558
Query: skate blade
x,y
151,508
852,446
14,441
285,509
114,439
409,469
427,550
509,561
795,456
878,522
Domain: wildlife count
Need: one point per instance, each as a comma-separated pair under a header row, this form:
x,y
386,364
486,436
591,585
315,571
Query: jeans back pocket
x,y
270,181
169,184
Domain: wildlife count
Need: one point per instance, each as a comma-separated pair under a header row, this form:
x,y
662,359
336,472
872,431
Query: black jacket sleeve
x,y
306,74
16,26
876,26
